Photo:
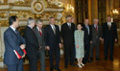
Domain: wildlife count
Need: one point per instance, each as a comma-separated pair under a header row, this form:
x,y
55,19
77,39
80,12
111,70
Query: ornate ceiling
x,y
30,8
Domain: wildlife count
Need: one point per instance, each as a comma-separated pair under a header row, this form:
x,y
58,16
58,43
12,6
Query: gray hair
x,y
95,19
30,21
38,21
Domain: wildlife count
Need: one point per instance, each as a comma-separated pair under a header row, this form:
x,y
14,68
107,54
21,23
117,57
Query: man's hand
x,y
116,40
90,42
47,47
101,39
23,55
22,46
60,45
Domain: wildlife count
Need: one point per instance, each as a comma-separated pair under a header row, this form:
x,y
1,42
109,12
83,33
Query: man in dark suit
x,y
67,32
109,36
32,45
14,44
96,37
87,38
39,31
53,42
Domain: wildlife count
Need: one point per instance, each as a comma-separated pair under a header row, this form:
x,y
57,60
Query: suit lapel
x,y
51,29
108,26
111,25
14,33
68,26
17,36
37,31
42,32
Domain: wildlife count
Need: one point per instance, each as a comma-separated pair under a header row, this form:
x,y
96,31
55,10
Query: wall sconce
x,y
69,8
115,12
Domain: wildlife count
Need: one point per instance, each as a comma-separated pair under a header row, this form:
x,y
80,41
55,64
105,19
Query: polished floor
x,y
101,65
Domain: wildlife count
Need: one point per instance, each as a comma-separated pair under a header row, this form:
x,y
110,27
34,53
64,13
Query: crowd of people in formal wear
x,y
79,40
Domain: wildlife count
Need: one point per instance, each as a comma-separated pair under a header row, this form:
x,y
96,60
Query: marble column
x,y
2,47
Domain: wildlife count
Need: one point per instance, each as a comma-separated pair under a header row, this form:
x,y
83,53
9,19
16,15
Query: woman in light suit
x,y
79,44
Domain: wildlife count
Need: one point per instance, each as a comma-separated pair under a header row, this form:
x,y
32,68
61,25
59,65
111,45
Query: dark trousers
x,y
87,51
108,44
16,67
95,45
41,55
69,53
54,51
33,62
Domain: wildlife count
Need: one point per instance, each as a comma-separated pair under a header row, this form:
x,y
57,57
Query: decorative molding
x,y
38,7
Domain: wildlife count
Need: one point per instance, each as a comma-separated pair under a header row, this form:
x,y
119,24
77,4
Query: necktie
x,y
96,28
87,28
54,29
40,32
109,25
69,25
16,32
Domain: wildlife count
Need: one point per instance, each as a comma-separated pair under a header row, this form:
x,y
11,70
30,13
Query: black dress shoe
x,y
66,67
73,65
91,59
97,59
58,69
111,59
88,61
106,59
51,69
84,62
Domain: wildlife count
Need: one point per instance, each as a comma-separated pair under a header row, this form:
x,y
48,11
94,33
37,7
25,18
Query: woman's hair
x,y
80,24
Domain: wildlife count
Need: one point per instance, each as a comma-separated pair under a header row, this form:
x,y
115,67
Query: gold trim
x,y
10,4
36,8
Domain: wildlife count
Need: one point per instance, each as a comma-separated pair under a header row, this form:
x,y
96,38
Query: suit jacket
x,y
31,42
12,42
68,34
40,38
87,37
52,39
109,34
96,34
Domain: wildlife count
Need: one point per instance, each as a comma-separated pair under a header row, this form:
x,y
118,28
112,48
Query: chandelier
x,y
69,8
115,11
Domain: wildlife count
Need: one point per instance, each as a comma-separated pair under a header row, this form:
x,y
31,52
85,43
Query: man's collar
x,y
14,29
29,26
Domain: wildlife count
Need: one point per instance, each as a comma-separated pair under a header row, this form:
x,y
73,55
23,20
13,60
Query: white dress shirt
x,y
109,24
39,29
53,28
13,29
69,24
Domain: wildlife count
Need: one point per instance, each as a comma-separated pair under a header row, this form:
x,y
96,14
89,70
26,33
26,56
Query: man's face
x,y
40,24
86,22
33,23
96,21
17,23
69,19
52,21
109,19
